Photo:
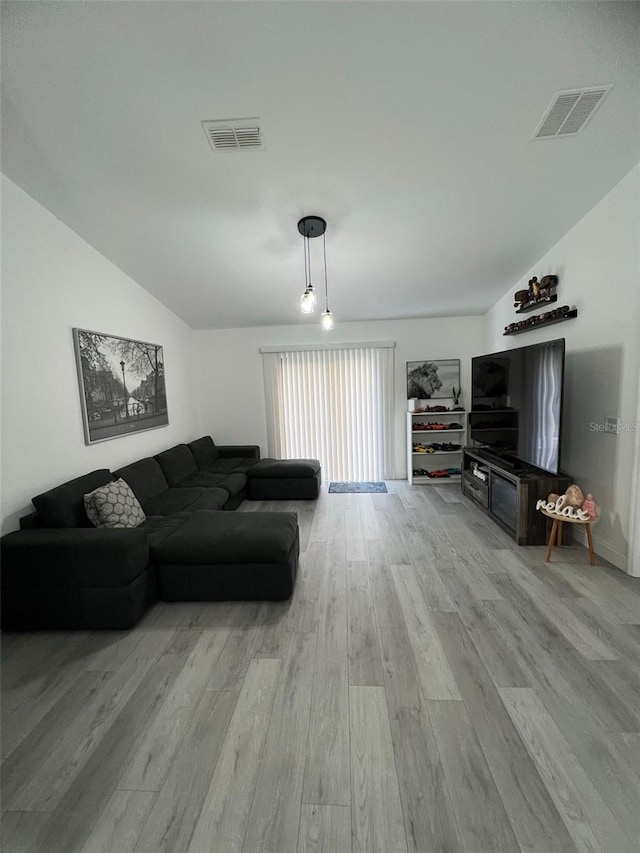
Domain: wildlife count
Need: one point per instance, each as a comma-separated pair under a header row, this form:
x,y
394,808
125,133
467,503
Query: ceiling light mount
x,y
310,227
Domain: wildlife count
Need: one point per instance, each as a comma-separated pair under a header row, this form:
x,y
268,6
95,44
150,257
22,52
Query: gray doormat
x,y
357,487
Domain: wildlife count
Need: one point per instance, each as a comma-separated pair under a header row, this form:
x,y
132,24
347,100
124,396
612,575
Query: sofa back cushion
x,y
204,452
64,505
177,464
145,478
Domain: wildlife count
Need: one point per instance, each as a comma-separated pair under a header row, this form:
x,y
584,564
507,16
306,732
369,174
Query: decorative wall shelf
x,y
535,303
535,323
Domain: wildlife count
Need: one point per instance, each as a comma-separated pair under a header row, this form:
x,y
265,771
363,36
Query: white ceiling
x,y
406,125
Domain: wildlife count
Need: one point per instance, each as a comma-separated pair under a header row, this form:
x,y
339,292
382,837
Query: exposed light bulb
x,y
308,301
326,320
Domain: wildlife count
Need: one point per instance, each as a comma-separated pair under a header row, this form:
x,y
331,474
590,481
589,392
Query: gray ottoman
x,y
284,480
226,556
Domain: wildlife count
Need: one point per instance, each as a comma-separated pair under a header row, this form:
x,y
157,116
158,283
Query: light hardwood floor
x,y
430,687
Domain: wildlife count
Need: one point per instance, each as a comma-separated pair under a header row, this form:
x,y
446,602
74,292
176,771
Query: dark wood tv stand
x,y
509,494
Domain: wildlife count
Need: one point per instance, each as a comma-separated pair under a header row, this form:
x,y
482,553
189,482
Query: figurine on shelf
x,y
547,283
535,287
521,298
530,292
589,506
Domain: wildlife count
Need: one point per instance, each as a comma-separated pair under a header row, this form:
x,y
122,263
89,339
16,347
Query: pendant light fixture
x,y
314,226
308,298
326,320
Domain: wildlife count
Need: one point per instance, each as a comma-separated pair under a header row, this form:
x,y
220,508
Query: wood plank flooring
x,y
430,688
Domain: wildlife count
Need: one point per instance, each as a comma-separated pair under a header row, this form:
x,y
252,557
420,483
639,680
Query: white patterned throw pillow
x,y
90,508
114,505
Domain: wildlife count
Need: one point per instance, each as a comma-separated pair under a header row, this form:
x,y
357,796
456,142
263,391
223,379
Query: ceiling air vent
x,y
569,111
234,134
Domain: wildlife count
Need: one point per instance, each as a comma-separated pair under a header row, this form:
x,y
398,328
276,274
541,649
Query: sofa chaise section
x,y
284,479
229,556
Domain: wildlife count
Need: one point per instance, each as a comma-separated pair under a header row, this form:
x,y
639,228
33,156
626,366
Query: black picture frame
x,y
122,385
432,379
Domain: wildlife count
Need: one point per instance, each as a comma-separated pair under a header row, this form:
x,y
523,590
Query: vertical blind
x,y
335,405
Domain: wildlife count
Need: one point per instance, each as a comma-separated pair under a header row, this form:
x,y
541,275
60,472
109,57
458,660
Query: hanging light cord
x,y
304,248
326,291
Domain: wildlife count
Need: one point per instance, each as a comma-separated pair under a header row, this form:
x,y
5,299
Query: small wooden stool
x,y
556,532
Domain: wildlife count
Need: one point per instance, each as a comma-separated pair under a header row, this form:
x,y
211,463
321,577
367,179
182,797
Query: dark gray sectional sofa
x,y
59,571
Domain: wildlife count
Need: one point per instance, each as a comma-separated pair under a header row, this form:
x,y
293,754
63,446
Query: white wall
x,y
598,265
230,375
52,281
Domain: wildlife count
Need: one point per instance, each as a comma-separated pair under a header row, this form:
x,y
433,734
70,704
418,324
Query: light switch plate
x,y
612,425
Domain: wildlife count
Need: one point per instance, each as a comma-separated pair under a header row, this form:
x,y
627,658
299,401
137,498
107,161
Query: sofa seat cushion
x,y
64,505
159,527
178,500
223,537
284,468
233,465
233,483
210,499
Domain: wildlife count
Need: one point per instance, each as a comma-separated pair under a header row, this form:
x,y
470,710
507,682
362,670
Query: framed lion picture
x,y
428,380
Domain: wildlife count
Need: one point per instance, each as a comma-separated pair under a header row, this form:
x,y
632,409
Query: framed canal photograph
x,y
428,379
122,388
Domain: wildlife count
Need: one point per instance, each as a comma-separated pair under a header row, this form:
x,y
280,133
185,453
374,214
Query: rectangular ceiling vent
x,y
569,111
234,134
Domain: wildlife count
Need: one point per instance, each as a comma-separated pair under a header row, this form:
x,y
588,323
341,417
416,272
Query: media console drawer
x,y
476,489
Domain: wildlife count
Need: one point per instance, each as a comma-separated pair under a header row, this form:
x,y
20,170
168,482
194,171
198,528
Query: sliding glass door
x,y
335,405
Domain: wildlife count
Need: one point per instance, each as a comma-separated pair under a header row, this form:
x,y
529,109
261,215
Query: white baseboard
x,y
602,548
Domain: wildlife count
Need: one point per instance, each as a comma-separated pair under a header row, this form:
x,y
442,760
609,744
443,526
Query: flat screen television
x,y
516,404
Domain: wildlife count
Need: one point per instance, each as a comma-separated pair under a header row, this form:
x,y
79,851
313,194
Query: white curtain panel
x,y
335,405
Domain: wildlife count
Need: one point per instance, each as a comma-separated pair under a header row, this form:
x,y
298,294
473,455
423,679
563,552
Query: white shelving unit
x,y
438,459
